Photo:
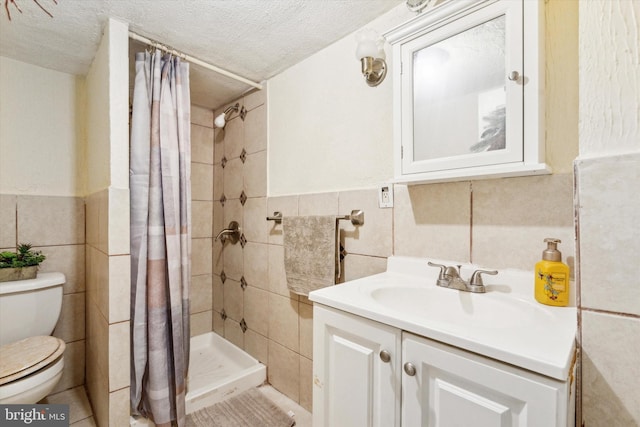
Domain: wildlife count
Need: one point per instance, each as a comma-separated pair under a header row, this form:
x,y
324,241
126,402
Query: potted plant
x,y
20,265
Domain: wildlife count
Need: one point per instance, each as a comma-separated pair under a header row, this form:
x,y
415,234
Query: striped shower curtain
x,y
160,183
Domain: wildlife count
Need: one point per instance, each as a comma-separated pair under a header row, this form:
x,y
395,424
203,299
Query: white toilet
x,y
31,360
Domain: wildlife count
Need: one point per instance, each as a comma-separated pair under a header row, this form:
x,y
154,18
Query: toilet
x,y
31,360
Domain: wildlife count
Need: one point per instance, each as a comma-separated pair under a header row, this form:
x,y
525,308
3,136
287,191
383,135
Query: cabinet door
x,y
452,387
468,78
354,383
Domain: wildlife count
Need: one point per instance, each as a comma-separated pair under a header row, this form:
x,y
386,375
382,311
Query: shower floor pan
x,y
217,370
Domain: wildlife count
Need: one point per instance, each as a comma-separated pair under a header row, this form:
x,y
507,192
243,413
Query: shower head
x,y
221,120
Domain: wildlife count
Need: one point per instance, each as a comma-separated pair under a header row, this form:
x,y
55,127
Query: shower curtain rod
x,y
193,60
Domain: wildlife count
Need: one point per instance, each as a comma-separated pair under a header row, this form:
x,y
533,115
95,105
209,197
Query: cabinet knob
x,y
513,76
410,369
385,356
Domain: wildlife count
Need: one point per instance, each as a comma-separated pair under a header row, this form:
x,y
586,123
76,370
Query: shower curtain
x,y
160,185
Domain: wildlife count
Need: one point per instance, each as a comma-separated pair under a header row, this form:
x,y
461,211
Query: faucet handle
x,y
446,272
443,268
476,278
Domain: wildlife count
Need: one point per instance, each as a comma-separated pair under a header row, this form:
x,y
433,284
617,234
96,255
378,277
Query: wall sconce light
x,y
221,120
370,52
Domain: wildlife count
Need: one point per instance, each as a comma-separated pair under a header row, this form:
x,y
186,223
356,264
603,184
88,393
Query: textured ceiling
x,y
256,39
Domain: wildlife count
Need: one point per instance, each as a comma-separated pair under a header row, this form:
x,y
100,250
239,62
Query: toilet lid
x,y
23,357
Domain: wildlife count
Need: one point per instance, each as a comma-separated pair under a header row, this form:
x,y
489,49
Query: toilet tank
x,y
30,307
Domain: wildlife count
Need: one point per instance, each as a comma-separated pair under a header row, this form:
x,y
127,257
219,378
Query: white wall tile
x,y
255,99
256,310
432,221
256,265
201,116
284,370
201,144
8,227
201,293
201,322
233,300
513,216
357,266
119,288
255,225
201,218
255,130
318,204
119,355
610,369
118,221
70,326
233,137
201,255
201,182
288,206
375,237
283,321
49,220
254,172
609,227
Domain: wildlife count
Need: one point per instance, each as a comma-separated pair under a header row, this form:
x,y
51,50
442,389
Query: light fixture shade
x,y
368,44
370,53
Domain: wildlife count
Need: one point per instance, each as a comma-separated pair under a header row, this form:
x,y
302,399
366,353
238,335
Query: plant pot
x,y
22,273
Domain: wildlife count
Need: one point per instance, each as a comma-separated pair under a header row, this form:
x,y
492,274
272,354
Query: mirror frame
x,y
532,81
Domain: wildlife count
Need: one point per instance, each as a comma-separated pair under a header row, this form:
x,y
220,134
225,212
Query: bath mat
x,y
249,408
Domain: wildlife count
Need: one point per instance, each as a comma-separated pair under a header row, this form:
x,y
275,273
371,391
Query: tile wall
x,y
252,306
496,223
107,303
462,221
55,226
609,288
201,297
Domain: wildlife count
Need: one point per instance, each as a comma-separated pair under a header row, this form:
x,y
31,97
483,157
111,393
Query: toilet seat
x,y
22,358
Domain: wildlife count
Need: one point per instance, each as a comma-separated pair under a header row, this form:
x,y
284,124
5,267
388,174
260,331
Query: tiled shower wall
x,y
252,306
202,220
495,223
55,226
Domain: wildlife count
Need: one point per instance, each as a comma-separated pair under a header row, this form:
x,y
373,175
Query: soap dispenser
x,y
552,276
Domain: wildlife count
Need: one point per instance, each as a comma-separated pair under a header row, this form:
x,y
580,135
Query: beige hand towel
x,y
310,260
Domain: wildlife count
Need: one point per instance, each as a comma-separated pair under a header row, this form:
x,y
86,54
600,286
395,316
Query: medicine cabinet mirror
x,y
468,79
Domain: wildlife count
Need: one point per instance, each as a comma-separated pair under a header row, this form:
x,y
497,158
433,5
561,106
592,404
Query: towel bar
x,y
356,217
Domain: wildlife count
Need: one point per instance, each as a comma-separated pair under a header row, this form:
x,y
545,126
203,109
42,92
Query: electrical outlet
x,y
385,195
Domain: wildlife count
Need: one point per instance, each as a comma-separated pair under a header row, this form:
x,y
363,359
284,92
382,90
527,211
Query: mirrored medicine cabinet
x,y
468,83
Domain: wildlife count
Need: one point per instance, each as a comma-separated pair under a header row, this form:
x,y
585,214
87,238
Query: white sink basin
x,y
489,310
505,323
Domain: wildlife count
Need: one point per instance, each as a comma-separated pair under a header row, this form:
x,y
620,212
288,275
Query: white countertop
x,y
505,324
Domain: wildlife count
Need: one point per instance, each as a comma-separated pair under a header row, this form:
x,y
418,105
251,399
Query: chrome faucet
x,y
450,278
231,233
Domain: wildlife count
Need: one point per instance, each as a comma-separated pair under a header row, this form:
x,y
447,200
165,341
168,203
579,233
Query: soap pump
x,y
552,276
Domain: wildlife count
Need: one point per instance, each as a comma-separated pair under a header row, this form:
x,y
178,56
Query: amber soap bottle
x,y
552,276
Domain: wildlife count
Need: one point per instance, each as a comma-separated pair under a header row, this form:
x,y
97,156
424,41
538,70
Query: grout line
x,y
615,313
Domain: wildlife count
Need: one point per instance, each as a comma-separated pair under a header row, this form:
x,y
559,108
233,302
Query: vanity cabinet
x,y
356,371
468,83
453,387
366,373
